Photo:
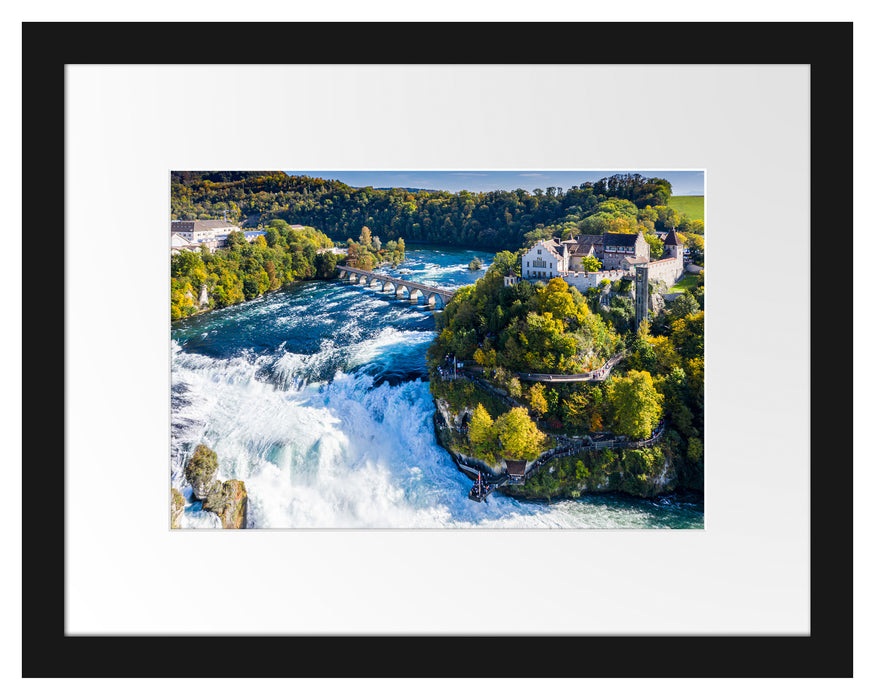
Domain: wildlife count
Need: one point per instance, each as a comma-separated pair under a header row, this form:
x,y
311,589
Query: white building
x,y
202,230
545,260
619,253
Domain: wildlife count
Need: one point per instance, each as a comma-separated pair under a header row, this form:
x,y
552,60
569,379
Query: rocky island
x,y
546,392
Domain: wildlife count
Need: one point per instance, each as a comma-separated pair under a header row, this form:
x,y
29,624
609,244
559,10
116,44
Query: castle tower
x,y
642,293
672,247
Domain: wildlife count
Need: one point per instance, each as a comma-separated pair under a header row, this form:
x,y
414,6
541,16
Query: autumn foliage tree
x,y
636,404
518,436
537,400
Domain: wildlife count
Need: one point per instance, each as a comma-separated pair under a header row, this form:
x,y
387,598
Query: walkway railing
x,y
596,375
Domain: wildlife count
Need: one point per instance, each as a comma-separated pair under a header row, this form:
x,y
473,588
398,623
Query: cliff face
x,y
448,426
645,472
227,499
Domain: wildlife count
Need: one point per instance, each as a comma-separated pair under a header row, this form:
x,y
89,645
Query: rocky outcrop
x,y
229,502
200,471
656,304
177,507
226,499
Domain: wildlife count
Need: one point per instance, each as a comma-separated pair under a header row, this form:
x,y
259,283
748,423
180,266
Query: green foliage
x,y
244,271
537,400
489,220
202,465
514,388
461,394
685,305
482,435
591,264
636,404
634,472
518,436
656,246
475,264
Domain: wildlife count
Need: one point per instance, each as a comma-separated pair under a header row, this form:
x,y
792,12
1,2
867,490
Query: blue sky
x,y
683,182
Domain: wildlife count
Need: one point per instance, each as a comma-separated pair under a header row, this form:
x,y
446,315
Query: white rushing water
x,y
341,454
315,398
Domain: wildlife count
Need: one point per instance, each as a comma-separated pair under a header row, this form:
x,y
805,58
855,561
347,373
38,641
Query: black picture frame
x,y
49,652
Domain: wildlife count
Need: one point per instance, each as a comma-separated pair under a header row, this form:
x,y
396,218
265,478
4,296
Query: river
x,y
317,398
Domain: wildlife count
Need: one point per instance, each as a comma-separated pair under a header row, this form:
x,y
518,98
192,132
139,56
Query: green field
x,y
694,207
687,283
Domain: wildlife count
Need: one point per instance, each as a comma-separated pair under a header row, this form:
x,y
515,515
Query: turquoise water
x,y
318,399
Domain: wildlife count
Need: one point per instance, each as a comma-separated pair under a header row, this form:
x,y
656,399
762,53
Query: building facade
x,y
619,253
202,230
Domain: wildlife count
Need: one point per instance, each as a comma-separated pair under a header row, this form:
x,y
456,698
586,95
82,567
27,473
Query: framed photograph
x,y
365,445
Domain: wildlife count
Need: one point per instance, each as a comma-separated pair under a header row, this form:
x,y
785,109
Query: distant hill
x,y
691,205
186,177
405,189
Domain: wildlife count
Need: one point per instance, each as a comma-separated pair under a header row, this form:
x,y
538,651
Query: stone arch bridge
x,y
374,280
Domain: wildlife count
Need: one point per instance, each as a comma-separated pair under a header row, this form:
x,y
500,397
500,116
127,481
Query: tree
x,y
475,264
235,239
575,410
514,388
537,400
591,263
688,335
695,450
696,244
684,306
636,404
365,237
505,263
519,437
556,299
656,246
482,435
270,269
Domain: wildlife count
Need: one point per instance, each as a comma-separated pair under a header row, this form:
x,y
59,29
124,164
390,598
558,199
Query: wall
x,y
668,270
587,280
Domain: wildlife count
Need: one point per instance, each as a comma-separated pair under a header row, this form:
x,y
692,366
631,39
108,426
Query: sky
x,y
683,182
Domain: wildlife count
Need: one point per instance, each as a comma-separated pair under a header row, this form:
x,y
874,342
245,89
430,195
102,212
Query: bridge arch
x,y
417,293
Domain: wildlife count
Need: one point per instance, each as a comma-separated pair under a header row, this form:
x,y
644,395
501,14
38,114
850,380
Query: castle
x,y
619,253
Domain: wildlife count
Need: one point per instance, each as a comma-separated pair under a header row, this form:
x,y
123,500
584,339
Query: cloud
x,y
532,175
